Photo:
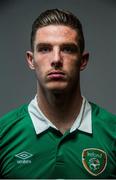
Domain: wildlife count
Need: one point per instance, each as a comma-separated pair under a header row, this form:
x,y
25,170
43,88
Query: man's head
x,y
57,54
58,17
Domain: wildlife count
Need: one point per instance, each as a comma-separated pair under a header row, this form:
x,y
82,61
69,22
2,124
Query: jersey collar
x,y
40,122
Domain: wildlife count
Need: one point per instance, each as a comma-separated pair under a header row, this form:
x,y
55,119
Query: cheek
x,y
72,64
38,62
41,69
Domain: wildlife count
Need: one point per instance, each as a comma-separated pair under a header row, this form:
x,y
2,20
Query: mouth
x,y
56,75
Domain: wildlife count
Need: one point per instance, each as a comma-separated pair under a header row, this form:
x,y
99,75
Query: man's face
x,y
56,57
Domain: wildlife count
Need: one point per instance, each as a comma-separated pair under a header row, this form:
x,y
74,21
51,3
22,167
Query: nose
x,y
56,60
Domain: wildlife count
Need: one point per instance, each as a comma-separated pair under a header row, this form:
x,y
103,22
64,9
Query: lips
x,y
56,75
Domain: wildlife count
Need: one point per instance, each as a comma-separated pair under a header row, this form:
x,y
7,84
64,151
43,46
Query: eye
x,y
70,49
67,49
44,48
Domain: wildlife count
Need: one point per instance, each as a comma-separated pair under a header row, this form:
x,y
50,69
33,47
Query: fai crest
x,y
94,160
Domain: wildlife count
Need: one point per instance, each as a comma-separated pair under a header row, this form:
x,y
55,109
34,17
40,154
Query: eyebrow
x,y
39,45
67,44
70,45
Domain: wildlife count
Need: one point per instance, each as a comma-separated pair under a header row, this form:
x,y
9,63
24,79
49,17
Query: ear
x,y
84,60
30,60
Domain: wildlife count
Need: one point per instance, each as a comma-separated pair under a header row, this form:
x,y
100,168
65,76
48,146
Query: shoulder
x,y
101,112
14,116
103,118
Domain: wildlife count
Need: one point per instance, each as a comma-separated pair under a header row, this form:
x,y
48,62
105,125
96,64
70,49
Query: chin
x,y
57,87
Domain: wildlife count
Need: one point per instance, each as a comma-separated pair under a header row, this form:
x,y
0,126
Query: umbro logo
x,y
24,157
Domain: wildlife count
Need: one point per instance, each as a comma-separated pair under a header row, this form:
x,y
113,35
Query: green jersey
x,y
51,155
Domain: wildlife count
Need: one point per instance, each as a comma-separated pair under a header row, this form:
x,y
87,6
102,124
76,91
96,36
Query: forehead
x,y
56,33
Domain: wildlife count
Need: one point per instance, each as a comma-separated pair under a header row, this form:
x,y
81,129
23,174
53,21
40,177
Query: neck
x,y
61,108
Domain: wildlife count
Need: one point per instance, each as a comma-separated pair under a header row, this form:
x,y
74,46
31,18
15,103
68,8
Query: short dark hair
x,y
58,17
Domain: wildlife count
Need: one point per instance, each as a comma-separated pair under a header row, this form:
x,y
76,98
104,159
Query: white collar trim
x,y
40,122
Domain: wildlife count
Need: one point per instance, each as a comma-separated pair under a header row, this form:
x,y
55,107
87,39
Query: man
x,y
59,134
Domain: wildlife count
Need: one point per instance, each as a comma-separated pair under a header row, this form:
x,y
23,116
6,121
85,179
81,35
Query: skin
x,y
57,62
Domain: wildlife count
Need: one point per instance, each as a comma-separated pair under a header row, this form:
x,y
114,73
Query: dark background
x,y
98,81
